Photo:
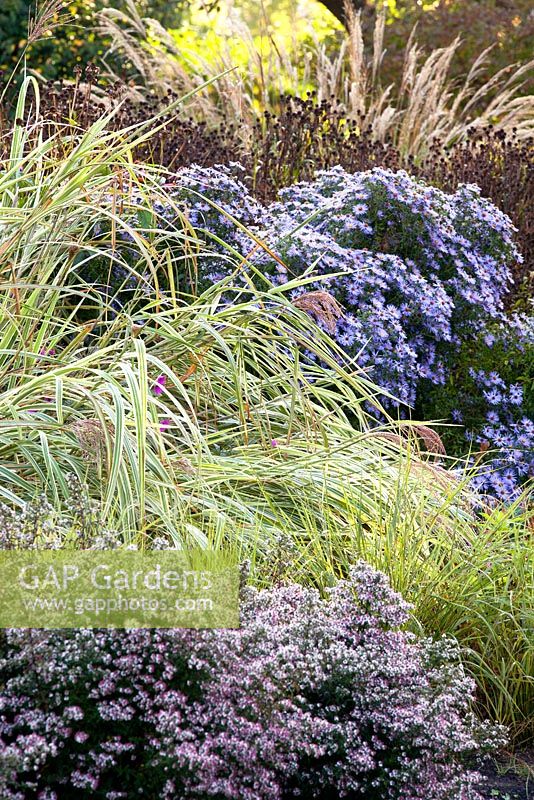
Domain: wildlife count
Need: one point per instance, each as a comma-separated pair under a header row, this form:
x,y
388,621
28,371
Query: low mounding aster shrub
x,y
311,697
38,526
307,135
424,296
420,278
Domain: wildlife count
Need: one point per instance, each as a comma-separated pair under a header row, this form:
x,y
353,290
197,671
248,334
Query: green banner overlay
x,y
117,589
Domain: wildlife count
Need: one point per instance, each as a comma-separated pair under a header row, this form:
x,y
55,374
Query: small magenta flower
x,y
159,384
274,442
164,424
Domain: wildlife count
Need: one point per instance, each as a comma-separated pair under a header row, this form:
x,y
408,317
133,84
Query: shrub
x,y
432,305
420,275
310,695
417,277
69,37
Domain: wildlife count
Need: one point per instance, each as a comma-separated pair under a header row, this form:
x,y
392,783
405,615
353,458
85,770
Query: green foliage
x,y
70,38
14,27
59,49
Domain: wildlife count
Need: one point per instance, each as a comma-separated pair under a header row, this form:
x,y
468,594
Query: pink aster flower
x,y
158,386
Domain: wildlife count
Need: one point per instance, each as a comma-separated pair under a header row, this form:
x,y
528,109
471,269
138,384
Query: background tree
x,y
340,8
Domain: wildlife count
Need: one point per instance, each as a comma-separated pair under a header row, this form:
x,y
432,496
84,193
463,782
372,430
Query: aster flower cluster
x,y
494,403
460,243
507,432
395,323
311,696
419,273
421,276
419,267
